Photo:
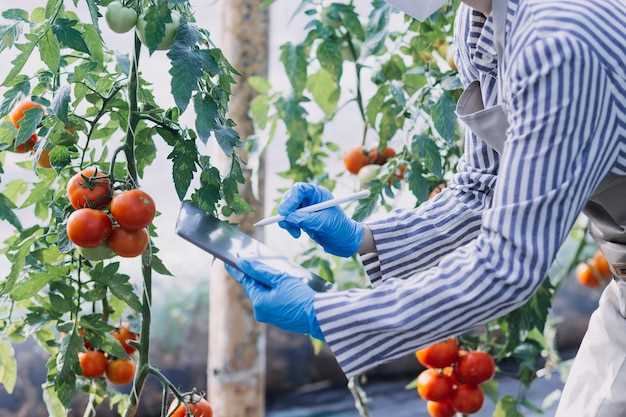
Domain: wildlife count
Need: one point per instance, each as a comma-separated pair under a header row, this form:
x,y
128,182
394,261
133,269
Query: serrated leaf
x,y
7,214
8,366
330,58
417,183
189,64
28,125
367,206
13,95
68,36
16,14
112,346
93,13
35,282
184,157
18,63
50,51
325,91
444,116
9,35
227,138
207,116
156,17
93,41
294,60
67,366
121,287
207,196
159,267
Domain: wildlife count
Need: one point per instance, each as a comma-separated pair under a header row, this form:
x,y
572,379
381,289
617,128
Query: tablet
x,y
227,243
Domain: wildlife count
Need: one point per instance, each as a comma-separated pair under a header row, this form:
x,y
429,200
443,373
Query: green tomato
x,y
120,19
170,31
368,174
100,253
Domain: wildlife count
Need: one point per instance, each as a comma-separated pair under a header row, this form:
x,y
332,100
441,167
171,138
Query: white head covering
x,y
419,9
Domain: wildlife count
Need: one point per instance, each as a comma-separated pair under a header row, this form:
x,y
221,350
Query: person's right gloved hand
x,y
337,233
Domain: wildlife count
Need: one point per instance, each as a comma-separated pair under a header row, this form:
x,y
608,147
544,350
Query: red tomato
x,y
439,355
468,399
475,368
133,209
28,145
93,364
199,407
89,188
128,244
433,385
356,159
123,335
20,110
601,265
120,371
88,228
440,409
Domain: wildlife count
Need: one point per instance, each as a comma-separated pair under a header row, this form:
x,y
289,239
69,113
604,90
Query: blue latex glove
x,y
277,298
337,233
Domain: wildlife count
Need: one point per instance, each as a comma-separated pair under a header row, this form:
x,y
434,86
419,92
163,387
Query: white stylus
x,y
317,207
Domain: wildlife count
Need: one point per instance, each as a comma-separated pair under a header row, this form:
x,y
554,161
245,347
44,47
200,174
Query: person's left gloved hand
x,y
277,298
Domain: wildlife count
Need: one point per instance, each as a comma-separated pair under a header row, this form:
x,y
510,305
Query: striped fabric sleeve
x,y
408,241
556,154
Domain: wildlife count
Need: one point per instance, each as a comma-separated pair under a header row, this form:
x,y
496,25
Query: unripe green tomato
x,y
120,19
100,253
368,174
170,31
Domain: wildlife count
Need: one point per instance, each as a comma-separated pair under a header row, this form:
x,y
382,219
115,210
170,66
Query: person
x,y
545,107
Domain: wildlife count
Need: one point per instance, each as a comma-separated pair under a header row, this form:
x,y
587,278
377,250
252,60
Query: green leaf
x,y
417,183
157,17
352,23
325,91
15,190
18,63
184,157
394,68
260,84
16,14
208,195
9,35
159,267
375,104
207,116
293,115
367,206
60,103
121,287
259,110
329,55
68,36
13,95
227,138
53,405
490,388
50,51
93,13
67,367
293,58
17,264
113,347
35,282
8,366
444,116
427,150
6,212
28,125
92,38
61,156
145,150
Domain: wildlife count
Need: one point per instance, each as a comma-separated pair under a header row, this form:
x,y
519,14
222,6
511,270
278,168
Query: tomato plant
x,y
87,124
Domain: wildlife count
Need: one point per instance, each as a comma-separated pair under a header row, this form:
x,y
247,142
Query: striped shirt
x,y
482,247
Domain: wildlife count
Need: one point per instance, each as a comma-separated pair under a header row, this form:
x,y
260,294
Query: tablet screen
x,y
227,243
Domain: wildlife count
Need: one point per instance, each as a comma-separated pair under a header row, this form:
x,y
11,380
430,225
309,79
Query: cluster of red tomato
x,y
95,364
594,272
452,381
359,157
16,117
90,227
